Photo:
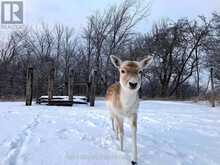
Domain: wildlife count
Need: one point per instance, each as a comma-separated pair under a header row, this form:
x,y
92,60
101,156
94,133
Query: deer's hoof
x,y
133,163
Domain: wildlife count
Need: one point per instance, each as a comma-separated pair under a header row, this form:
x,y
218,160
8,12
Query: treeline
x,y
183,51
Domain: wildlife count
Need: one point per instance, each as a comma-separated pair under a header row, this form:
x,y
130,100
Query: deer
x,y
122,98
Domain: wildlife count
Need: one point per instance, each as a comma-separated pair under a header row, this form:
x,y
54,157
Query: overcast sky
x,y
75,12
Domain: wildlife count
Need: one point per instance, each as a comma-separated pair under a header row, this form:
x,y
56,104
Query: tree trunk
x,y
164,89
197,72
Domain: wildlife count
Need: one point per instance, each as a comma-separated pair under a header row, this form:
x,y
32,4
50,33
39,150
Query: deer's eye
x,y
122,71
140,72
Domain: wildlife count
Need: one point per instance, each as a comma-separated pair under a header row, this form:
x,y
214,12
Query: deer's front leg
x,y
134,138
113,123
120,125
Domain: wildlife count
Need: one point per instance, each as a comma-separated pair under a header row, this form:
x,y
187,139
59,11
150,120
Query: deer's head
x,y
130,71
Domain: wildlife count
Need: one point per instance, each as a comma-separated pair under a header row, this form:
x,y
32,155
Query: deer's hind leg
x,y
113,123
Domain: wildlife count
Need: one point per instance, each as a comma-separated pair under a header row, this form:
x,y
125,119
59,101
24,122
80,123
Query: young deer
x,y
122,98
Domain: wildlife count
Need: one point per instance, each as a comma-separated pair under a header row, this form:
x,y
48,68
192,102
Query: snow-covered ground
x,y
169,133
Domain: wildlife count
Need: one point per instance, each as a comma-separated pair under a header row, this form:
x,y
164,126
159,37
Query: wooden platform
x,y
62,100
60,103
88,89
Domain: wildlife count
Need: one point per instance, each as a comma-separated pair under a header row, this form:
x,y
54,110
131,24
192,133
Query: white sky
x,y
75,12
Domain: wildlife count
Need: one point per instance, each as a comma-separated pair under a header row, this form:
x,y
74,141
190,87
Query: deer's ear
x,y
145,62
115,61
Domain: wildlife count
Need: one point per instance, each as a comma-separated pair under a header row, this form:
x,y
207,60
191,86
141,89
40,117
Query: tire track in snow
x,y
17,146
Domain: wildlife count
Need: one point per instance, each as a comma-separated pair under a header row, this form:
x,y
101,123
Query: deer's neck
x,y
129,99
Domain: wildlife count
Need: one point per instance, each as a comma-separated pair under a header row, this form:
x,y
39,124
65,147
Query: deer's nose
x,y
132,85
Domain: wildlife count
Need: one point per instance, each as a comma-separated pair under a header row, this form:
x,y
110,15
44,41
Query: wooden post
x,y
37,89
29,86
140,90
212,88
93,88
70,86
51,82
88,89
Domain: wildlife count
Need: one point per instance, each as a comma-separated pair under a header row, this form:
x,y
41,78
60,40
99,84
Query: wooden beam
x,y
70,86
88,89
212,88
51,82
29,86
93,88
37,92
140,92
80,83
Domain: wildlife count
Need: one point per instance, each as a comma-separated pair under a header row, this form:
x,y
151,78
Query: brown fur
x,y
131,67
131,70
113,94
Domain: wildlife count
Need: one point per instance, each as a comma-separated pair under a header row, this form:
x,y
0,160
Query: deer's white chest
x,y
130,103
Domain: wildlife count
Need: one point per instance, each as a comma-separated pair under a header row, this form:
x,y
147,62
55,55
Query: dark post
x,y
88,91
140,90
51,82
93,88
29,86
212,88
70,86
89,87
37,88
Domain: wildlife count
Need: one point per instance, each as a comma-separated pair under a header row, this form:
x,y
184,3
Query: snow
x,y
169,133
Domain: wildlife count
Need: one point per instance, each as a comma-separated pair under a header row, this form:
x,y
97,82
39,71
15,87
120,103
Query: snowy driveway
x,y
169,133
